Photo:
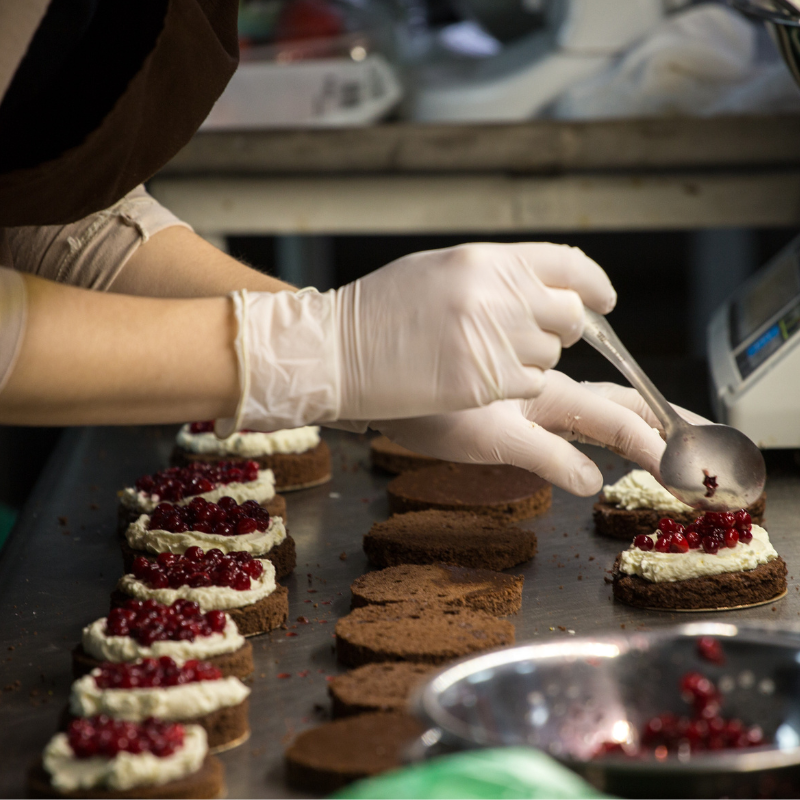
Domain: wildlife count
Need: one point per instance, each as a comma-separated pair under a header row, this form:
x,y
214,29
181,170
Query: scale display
x,y
766,316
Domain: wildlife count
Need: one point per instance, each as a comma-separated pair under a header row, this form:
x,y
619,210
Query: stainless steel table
x,y
63,559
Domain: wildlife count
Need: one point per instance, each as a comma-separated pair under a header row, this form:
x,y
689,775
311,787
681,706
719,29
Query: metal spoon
x,y
708,467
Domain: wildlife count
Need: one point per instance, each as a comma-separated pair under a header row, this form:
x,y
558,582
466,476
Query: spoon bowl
x,y
708,467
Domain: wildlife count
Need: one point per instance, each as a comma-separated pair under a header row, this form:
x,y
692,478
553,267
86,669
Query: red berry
x,y
217,621
678,544
643,542
227,503
194,553
693,538
745,536
241,582
668,525
710,649
246,525
663,544
710,545
731,537
742,519
201,427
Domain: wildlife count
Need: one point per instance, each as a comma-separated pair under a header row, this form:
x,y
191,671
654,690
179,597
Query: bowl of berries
x,y
698,710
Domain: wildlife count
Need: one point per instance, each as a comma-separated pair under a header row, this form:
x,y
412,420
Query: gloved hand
x,y
534,434
432,332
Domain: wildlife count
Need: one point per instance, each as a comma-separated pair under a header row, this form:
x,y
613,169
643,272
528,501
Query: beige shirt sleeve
x,y
90,253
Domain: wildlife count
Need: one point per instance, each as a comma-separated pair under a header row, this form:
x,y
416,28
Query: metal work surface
x,y
63,559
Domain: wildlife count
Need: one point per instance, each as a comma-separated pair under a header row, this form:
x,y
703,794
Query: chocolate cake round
x,y
376,687
390,457
499,491
419,632
450,537
332,755
481,589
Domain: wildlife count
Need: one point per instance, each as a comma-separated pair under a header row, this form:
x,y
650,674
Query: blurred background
x,y
654,72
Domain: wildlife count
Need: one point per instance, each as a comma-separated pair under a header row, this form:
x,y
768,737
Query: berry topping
x,y
208,427
175,483
105,737
227,517
710,649
712,531
196,568
704,730
148,621
152,672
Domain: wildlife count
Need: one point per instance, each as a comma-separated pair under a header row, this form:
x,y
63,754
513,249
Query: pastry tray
x,y
63,559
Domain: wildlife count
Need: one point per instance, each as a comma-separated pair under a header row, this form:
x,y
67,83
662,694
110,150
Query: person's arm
x,y
90,358
178,263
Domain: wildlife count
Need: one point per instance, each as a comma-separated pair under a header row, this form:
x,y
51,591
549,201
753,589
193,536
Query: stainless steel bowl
x,y
568,696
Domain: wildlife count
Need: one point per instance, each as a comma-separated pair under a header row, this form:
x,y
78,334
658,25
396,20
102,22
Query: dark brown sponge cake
x,y
376,687
125,516
727,589
496,490
450,537
265,615
418,632
292,470
386,455
283,556
332,755
207,782
237,664
481,589
621,523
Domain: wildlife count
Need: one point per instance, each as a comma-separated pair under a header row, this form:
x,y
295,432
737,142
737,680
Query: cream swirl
x,y
172,703
250,444
125,770
669,567
639,489
261,490
207,597
98,644
159,541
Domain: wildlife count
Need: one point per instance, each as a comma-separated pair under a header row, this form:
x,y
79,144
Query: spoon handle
x,y
600,335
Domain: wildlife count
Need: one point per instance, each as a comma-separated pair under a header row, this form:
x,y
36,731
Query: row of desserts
x,y
159,680
437,595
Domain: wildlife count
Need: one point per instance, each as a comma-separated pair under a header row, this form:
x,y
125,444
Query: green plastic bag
x,y
507,772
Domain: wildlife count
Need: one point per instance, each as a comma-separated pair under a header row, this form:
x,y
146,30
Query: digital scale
x,y
754,355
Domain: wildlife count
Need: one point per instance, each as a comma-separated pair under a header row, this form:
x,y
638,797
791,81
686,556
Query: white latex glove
x,y
432,332
534,434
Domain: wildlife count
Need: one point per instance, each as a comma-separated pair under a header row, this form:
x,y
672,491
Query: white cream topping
x,y
639,489
125,770
251,444
99,645
668,567
171,703
158,541
207,597
261,490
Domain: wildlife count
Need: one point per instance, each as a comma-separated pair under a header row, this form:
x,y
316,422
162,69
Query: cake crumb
x,y
591,558
622,625
342,556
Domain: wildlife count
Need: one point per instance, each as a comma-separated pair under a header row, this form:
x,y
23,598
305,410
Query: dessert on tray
x,y
141,629
451,537
636,502
194,692
499,491
237,583
332,755
395,458
103,757
180,485
298,457
225,526
376,687
720,560
417,631
481,589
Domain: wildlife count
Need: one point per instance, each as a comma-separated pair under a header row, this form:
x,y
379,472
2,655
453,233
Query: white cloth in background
x,y
701,62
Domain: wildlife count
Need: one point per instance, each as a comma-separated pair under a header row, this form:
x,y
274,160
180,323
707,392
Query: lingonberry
x,y
176,483
663,544
643,542
678,544
710,649
710,544
731,537
693,538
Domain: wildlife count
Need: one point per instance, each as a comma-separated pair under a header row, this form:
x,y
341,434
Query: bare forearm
x,y
178,263
95,358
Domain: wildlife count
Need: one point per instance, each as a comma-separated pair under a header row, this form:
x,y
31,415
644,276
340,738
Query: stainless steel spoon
x,y
708,467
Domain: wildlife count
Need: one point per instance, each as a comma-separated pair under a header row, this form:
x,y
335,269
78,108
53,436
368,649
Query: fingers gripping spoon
x,y
708,467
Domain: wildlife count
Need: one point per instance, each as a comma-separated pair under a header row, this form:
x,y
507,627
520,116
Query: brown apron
x,y
164,104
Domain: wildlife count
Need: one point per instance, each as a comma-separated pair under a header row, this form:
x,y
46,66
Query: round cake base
x,y
726,591
394,458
